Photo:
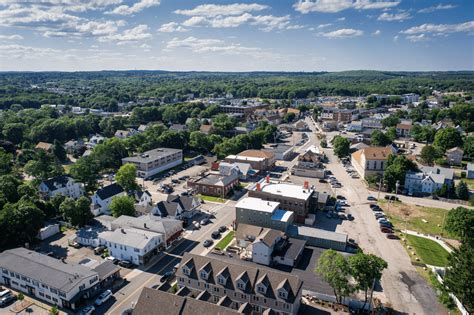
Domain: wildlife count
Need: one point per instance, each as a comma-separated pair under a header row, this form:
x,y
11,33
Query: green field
x,y
223,243
428,251
211,198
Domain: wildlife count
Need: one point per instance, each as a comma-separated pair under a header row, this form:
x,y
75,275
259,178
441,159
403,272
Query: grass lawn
x,y
223,243
429,251
211,198
424,220
469,182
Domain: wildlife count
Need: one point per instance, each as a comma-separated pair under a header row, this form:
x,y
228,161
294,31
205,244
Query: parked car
x,y
167,276
342,216
112,259
350,217
103,297
216,234
371,198
88,310
75,245
205,221
208,243
196,225
99,249
125,264
222,228
386,224
392,236
7,299
386,230
156,286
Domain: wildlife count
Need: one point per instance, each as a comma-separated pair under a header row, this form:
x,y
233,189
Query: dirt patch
x,y
403,210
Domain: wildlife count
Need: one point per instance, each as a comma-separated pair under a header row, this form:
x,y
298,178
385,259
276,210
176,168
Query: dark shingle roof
x,y
109,191
55,182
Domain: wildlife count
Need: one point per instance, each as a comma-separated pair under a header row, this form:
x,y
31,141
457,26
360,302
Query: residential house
x,y
264,245
177,207
178,127
75,146
410,98
300,125
206,129
95,140
370,161
470,170
244,170
263,289
61,185
428,180
103,197
143,198
48,147
258,159
123,134
454,156
403,130
310,164
154,161
246,109
135,245
47,279
214,184
281,152
448,173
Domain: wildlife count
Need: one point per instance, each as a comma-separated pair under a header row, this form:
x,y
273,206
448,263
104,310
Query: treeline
x,y
106,89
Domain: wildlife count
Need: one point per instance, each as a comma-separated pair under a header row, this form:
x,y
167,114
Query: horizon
x,y
237,36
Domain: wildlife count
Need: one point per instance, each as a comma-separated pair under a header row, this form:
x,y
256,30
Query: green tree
x,y
59,151
459,277
379,139
396,169
324,143
366,269
194,125
335,270
391,134
447,138
462,191
126,177
6,162
14,132
86,170
460,222
429,154
341,146
469,148
54,310
390,121
43,166
122,205
77,212
200,142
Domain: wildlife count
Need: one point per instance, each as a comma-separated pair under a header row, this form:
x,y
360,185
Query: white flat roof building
x,y
286,190
245,158
252,203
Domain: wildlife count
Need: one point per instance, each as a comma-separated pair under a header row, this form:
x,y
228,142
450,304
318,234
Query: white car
x,y
103,297
88,310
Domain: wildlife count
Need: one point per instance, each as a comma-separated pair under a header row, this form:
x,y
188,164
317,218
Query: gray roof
x,y
49,271
106,269
470,166
129,237
57,182
447,172
147,222
216,180
152,155
109,191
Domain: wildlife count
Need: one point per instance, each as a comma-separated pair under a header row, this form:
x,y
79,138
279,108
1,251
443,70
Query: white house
x,y
262,247
143,198
103,197
95,140
61,185
135,245
428,181
470,170
454,156
178,207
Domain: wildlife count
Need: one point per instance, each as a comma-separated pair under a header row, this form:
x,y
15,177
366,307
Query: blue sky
x,y
279,35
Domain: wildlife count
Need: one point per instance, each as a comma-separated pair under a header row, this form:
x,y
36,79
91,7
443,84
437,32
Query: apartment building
x,y
370,161
263,289
154,161
46,278
263,213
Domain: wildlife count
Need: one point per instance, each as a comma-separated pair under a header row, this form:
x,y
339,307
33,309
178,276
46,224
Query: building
x,y
318,237
403,130
143,198
244,170
263,289
47,231
206,129
370,161
178,127
258,159
103,197
94,141
61,185
454,156
154,161
410,98
154,302
262,213
48,147
372,123
214,184
75,146
246,110
170,228
281,152
263,246
47,279
177,207
310,164
123,134
448,173
419,183
298,199
135,245
470,170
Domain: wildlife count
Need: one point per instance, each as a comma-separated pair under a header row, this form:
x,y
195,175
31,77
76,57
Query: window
x,y
82,287
282,294
53,291
203,275
261,289
136,250
221,280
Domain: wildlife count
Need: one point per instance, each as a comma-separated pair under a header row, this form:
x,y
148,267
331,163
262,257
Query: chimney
x,y
258,186
267,178
306,184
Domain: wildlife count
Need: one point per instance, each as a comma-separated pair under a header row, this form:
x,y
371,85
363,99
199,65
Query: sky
x,y
219,35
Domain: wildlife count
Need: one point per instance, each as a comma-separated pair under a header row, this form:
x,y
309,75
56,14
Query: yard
x,y
430,252
223,243
424,220
211,198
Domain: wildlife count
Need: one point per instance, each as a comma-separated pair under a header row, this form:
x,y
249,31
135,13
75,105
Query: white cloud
x,y
135,8
333,6
20,51
171,28
295,27
138,33
11,37
343,33
402,16
341,19
418,38
440,29
211,10
436,8
264,22
376,33
324,25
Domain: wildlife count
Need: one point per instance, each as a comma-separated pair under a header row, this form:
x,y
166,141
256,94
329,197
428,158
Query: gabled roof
x,y
44,146
256,153
57,182
271,236
109,191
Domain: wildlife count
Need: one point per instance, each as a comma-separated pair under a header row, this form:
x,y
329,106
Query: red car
x,y
392,237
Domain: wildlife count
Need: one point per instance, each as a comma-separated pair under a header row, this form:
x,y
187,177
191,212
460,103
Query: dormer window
x,y
221,279
262,289
203,275
282,294
186,271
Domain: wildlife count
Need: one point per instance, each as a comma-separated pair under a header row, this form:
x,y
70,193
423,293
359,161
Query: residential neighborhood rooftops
x,y
257,204
58,181
372,153
109,191
152,155
132,237
256,154
214,179
50,271
447,172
